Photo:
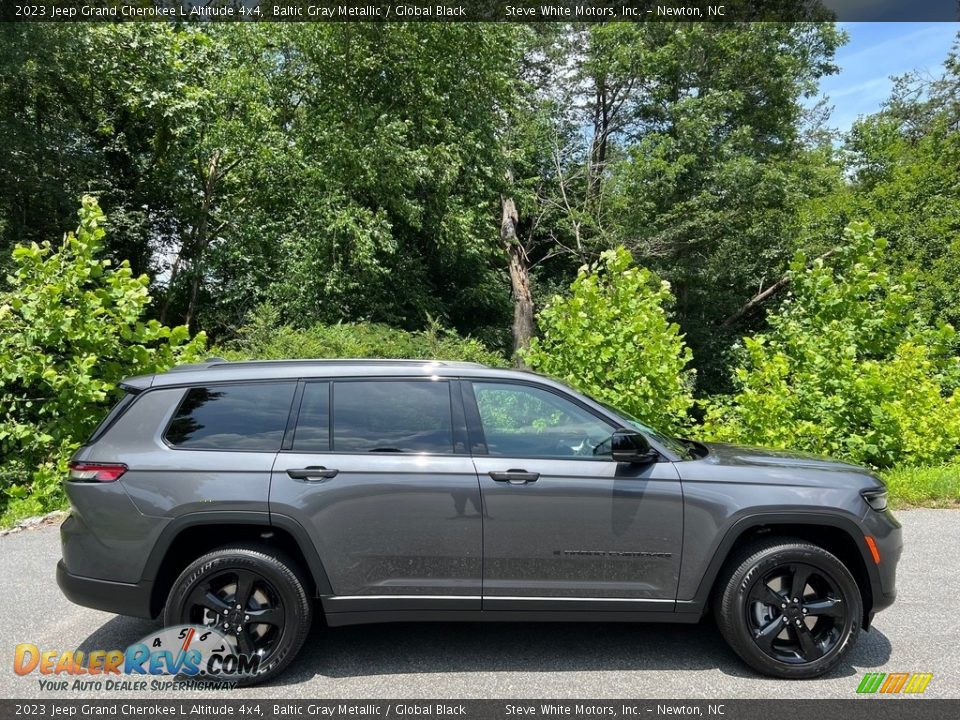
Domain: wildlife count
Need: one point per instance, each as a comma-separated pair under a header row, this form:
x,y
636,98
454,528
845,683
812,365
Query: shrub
x,y
265,338
847,368
612,339
71,328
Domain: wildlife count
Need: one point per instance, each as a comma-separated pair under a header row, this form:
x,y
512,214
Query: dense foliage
x,y
71,327
432,190
266,339
612,339
848,367
348,172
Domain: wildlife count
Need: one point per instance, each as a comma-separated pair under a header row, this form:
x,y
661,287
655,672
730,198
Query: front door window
x,y
525,421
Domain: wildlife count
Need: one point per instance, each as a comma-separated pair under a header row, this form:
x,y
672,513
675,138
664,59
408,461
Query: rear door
x,y
566,527
378,472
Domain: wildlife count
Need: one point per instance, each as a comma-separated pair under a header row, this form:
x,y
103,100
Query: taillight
x,y
96,472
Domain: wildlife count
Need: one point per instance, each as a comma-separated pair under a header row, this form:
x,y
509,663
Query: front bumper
x,y
886,531
115,597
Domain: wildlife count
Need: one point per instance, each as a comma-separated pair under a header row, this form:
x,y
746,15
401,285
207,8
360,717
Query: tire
x,y
277,593
759,590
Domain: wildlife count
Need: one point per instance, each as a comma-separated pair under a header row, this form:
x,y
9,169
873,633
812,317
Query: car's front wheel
x,y
789,608
257,599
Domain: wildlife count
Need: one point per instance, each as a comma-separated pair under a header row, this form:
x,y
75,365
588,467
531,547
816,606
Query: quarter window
x,y
525,421
232,417
392,416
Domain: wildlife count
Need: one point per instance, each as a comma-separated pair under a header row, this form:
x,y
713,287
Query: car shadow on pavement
x,y
364,650
119,633
400,648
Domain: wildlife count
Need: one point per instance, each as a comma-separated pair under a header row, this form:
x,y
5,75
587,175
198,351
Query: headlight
x,y
877,499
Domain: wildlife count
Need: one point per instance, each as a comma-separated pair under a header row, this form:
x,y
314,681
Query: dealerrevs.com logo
x,y
201,657
894,683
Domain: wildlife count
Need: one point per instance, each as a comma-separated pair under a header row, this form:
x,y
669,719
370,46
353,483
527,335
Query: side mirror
x,y
630,446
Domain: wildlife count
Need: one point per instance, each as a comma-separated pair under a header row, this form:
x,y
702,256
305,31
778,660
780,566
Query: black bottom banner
x,y
854,709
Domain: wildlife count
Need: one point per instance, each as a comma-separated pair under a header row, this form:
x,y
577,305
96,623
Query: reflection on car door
x,y
378,472
567,529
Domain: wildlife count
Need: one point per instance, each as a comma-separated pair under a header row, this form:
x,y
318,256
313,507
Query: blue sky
x,y
874,52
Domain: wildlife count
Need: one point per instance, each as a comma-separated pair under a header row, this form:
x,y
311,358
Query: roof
x,y
220,370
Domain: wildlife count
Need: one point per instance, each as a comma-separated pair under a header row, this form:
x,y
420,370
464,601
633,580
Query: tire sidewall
x,y
284,581
823,562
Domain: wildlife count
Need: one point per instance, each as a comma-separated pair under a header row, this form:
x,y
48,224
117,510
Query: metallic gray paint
x,y
735,483
587,505
388,523
400,536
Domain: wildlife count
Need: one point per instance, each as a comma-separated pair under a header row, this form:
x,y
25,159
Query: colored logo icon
x,y
894,683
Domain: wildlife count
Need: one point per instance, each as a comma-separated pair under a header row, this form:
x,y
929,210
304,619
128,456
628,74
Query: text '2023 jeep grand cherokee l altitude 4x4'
x,y
232,495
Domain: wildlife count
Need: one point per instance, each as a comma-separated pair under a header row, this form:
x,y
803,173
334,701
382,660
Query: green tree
x,y
71,327
848,367
715,174
393,175
343,172
265,338
905,166
612,339
99,109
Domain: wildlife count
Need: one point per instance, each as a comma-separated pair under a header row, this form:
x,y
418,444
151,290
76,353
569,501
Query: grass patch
x,y
937,486
21,509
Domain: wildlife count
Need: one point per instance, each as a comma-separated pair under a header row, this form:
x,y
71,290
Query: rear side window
x,y
111,417
392,416
232,417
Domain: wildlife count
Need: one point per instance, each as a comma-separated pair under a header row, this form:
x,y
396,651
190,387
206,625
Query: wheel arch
x,y
189,536
838,535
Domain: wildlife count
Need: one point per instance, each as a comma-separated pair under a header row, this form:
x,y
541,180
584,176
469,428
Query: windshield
x,y
672,443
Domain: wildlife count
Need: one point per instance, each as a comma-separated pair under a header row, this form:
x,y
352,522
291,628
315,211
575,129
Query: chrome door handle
x,y
312,473
515,477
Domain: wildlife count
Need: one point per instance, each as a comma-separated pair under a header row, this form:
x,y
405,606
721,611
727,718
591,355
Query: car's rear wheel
x,y
257,600
789,608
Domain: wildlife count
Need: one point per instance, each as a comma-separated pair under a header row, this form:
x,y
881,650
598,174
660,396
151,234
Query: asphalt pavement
x,y
920,633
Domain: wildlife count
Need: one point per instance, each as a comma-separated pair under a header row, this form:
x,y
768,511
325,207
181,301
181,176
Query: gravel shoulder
x,y
920,633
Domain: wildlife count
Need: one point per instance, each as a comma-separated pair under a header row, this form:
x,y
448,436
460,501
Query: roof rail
x,y
215,363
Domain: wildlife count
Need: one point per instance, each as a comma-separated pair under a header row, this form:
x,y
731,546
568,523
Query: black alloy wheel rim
x,y
242,605
796,613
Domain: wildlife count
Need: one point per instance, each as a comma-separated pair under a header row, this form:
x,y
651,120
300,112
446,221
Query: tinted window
x,y
524,421
232,417
392,416
313,423
116,412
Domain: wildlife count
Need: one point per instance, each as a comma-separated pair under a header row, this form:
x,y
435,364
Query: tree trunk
x,y
203,239
519,277
194,293
598,146
174,271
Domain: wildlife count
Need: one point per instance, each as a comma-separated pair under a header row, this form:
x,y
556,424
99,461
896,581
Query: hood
x,y
741,456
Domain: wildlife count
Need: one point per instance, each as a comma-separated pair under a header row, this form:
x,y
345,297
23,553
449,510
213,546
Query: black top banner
x,y
719,11
205,708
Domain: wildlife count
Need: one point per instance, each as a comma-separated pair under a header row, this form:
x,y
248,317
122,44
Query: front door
x,y
378,472
566,527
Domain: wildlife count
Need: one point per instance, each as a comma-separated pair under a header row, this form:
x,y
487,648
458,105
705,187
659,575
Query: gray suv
x,y
235,495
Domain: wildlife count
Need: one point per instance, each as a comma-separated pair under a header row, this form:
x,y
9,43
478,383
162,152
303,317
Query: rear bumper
x,y
115,597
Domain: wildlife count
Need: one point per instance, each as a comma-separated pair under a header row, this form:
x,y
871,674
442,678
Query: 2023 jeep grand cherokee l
x,y
235,494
